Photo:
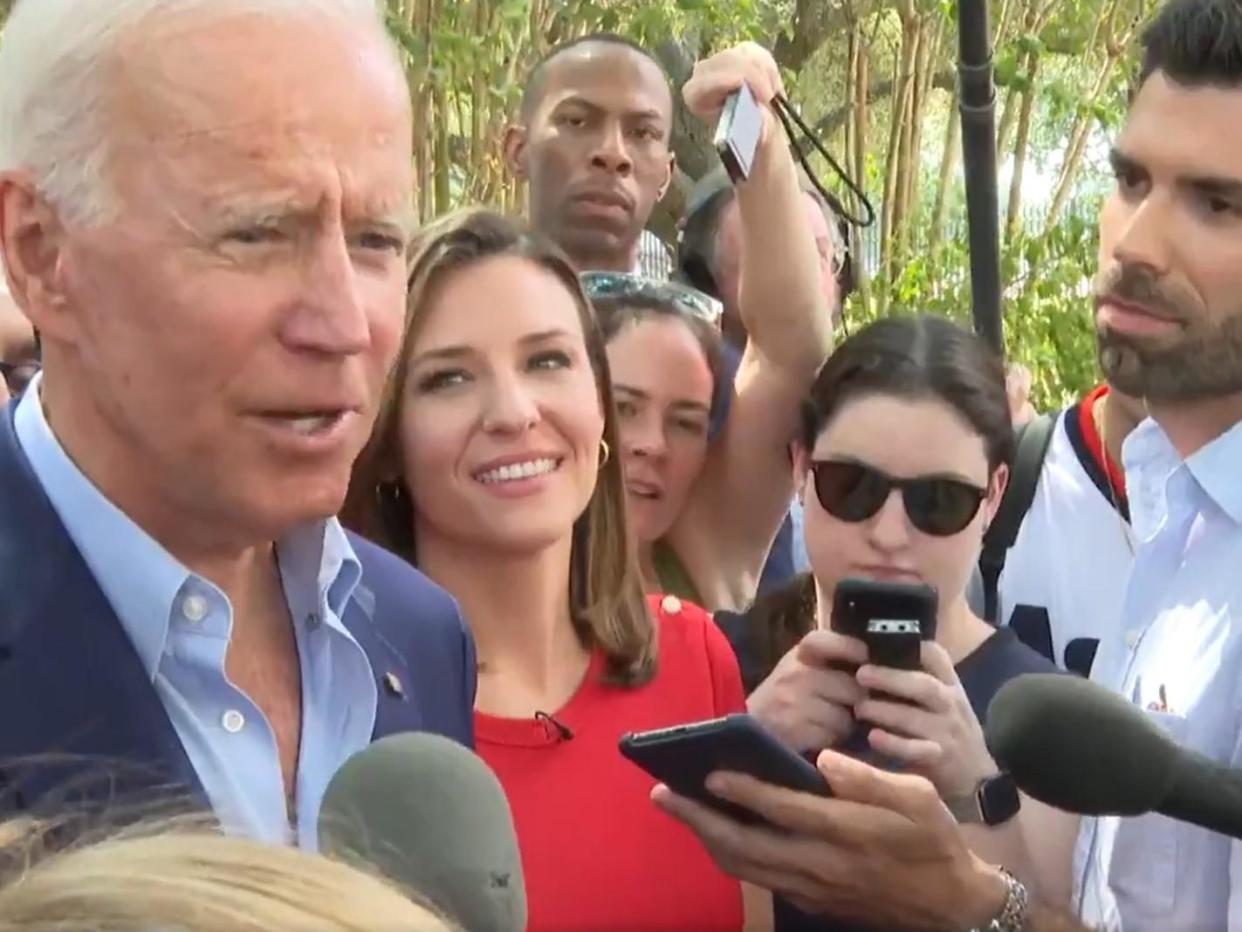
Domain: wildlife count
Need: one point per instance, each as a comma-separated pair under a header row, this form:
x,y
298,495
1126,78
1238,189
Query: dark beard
x,y
1205,362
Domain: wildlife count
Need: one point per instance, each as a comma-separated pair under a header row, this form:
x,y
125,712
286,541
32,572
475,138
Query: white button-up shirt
x,y
1179,659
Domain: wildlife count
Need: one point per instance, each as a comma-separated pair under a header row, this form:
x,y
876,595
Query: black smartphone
x,y
682,757
892,619
737,133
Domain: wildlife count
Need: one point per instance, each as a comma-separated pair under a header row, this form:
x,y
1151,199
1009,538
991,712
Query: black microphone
x,y
562,731
432,816
1079,747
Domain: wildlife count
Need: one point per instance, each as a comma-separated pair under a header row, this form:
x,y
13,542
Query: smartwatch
x,y
994,802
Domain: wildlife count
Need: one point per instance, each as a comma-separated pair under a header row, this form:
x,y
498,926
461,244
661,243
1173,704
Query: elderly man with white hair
x,y
204,209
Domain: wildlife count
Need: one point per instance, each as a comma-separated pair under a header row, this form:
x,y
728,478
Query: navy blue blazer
x,y
80,718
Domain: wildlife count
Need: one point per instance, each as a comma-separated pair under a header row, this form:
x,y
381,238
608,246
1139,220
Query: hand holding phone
x,y
737,134
682,758
892,619
924,720
742,80
808,699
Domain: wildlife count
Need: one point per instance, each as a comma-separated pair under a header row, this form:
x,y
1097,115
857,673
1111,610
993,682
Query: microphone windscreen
x,y
432,816
1079,747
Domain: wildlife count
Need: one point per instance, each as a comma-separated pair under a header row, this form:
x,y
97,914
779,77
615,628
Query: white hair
x,y
53,94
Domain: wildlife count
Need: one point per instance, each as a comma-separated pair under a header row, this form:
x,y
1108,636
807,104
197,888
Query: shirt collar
x,y
318,551
1145,446
1150,457
1215,468
140,579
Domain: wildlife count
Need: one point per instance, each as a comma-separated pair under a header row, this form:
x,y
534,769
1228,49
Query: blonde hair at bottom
x,y
183,875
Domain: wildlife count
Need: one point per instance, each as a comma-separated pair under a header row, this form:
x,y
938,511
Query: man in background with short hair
x,y
709,249
592,142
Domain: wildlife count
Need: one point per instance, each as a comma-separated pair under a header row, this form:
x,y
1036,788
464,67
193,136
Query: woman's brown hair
x,y
605,590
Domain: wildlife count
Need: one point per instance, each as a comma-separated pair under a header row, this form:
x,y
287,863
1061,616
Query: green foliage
x,y
467,64
1048,308
1046,302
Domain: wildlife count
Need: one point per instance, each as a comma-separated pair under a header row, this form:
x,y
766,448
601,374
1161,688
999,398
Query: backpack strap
x,y
1033,441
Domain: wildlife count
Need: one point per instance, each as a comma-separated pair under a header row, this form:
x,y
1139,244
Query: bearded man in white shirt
x,y
1169,320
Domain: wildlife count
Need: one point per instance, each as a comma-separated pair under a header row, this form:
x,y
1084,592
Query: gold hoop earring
x,y
605,453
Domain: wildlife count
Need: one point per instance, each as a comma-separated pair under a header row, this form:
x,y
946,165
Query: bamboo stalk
x,y
890,188
479,100
907,157
948,165
861,122
1020,148
923,88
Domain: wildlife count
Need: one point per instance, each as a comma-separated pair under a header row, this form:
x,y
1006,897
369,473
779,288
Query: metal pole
x,y
978,108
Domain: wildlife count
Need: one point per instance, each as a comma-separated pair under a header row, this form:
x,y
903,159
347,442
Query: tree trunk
x,y
892,159
948,167
1008,112
1078,146
1014,213
420,18
1008,120
908,156
923,86
861,76
944,79
443,163
480,104
1031,24
1114,49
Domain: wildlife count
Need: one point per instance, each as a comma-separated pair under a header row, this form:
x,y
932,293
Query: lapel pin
x,y
392,685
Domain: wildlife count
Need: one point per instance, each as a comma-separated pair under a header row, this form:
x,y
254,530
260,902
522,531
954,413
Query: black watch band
x,y
994,802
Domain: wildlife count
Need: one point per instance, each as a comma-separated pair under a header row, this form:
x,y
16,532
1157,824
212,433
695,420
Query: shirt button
x,y
670,605
233,721
194,608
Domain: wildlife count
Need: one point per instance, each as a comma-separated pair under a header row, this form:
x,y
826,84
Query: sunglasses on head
x,y
935,505
622,286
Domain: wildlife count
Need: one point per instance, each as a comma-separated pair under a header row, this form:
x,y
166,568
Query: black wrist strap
x,y
789,119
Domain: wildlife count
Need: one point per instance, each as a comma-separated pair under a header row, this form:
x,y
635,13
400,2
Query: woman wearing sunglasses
x,y
905,445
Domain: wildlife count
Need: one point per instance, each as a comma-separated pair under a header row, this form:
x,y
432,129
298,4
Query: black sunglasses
x,y
17,375
935,505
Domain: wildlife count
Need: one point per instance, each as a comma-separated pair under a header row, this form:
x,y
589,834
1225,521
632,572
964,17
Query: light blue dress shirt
x,y
179,624
1180,660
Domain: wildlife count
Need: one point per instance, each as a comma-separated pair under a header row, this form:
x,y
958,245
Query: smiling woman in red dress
x,y
491,468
